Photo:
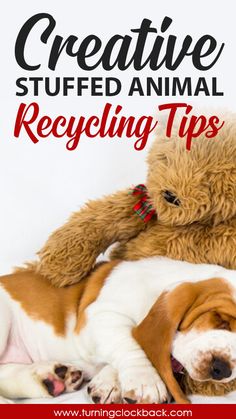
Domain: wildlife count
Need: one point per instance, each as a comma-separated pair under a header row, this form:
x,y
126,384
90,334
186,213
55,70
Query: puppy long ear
x,y
156,332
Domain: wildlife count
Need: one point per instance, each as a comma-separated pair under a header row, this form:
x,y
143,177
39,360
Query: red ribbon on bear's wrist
x,y
144,207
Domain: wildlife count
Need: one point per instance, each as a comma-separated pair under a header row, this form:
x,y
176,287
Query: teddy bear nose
x,y
171,198
220,369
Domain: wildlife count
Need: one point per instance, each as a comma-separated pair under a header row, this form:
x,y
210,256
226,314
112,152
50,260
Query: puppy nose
x,y
220,369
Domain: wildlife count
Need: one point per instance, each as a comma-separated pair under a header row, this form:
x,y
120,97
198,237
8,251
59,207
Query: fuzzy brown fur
x,y
201,229
208,388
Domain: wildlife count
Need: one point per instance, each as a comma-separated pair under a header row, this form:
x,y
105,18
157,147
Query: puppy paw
x,y
60,379
143,385
104,387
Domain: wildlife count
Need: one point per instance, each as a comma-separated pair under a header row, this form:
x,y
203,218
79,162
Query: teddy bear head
x,y
197,185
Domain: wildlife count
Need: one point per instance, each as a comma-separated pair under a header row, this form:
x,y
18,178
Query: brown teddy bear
x,y
186,210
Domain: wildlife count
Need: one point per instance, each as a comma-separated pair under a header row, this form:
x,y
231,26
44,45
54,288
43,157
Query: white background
x,y
40,185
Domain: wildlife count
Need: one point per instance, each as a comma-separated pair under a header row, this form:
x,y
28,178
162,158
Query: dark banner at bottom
x,y
50,411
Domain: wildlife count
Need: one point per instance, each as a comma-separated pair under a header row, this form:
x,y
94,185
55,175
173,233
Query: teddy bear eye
x,y
171,198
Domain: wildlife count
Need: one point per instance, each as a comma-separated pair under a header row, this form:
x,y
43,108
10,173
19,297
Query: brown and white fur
x,y
118,328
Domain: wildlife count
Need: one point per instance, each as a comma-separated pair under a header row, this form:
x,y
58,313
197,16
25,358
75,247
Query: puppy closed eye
x,y
221,323
224,326
171,198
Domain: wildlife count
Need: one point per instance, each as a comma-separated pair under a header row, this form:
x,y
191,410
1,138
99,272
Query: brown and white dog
x,y
118,328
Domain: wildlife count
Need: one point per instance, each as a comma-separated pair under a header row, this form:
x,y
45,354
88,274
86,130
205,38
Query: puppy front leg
x,y
46,379
140,382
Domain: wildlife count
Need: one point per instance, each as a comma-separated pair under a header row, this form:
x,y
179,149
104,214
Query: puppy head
x,y
196,323
205,343
197,185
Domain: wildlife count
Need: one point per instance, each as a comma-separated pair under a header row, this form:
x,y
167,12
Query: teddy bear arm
x,y
71,251
196,243
153,241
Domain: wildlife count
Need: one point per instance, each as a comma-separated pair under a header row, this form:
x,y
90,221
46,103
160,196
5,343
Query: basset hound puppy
x,y
122,328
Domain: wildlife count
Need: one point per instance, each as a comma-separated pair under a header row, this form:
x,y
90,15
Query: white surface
x,y
71,398
81,397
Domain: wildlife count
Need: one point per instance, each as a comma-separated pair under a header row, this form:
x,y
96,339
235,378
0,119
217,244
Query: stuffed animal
x,y
186,210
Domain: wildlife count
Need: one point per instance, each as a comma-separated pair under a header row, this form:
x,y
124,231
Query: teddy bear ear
x,y
161,149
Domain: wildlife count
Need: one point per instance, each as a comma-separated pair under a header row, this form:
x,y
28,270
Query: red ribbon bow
x,y
144,207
